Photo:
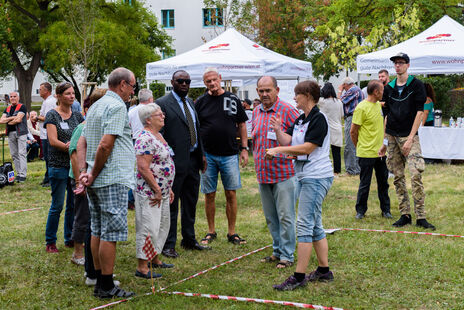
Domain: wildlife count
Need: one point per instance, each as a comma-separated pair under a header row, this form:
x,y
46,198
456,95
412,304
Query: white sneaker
x,y
78,261
93,282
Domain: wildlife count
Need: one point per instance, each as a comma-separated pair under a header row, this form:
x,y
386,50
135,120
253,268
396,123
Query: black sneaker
x,y
405,219
424,224
290,284
115,292
321,277
359,216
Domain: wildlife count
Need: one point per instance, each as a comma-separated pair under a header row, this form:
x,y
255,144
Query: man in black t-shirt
x,y
220,113
15,119
404,99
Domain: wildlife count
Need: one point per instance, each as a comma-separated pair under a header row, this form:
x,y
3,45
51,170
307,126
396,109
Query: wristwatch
x,y
244,148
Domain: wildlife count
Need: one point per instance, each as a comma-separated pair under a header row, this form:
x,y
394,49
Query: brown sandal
x,y
284,264
269,259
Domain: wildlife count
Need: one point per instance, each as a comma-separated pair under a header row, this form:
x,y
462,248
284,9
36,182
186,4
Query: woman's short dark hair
x,y
328,91
310,88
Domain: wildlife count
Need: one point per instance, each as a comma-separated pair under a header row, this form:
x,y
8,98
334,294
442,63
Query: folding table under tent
x,y
235,56
437,50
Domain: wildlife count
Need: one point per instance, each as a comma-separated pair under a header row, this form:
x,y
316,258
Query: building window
x,y
212,17
167,18
165,54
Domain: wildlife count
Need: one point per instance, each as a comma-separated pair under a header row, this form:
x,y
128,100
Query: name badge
x,y
64,125
271,135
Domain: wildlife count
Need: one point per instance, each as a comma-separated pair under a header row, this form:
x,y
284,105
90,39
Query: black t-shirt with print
x,y
317,128
218,117
64,130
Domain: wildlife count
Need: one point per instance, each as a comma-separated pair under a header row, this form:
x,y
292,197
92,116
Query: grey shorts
x,y
108,212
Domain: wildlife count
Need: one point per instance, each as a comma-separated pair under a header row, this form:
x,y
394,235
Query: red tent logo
x,y
256,45
218,46
439,36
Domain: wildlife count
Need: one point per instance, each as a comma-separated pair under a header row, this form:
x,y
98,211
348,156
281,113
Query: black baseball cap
x,y
403,56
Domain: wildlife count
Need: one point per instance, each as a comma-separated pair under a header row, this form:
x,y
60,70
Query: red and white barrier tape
x,y
215,267
17,211
402,232
257,300
188,278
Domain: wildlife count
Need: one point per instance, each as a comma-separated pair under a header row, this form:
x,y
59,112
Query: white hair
x,y
210,69
146,110
348,81
145,95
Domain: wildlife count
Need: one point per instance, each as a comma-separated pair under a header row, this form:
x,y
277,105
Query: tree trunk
x,y
25,77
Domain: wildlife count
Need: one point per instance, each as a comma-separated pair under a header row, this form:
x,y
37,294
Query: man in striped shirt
x,y
276,176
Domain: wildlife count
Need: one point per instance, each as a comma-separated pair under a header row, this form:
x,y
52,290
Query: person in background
x,y
15,119
351,96
256,102
153,194
332,108
76,106
81,227
367,132
32,148
60,123
309,141
34,130
49,103
427,117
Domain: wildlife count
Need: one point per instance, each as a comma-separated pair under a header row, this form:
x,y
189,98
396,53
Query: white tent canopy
x,y
439,49
236,58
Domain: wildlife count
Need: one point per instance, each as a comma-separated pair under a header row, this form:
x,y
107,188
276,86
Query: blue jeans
x,y
45,146
278,201
312,193
60,183
229,169
351,161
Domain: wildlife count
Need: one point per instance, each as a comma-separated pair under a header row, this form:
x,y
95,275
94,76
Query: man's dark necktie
x,y
188,116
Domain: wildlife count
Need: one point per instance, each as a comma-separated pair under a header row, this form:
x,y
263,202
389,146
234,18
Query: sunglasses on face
x,y
182,81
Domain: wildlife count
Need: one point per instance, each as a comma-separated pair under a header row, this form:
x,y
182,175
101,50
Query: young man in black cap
x,y
404,99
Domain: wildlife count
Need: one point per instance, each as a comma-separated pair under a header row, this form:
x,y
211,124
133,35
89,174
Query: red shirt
x,y
278,169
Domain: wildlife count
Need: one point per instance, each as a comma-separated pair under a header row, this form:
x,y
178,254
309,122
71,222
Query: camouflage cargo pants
x,y
396,163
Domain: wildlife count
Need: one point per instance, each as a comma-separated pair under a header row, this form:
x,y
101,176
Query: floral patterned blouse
x,y
161,166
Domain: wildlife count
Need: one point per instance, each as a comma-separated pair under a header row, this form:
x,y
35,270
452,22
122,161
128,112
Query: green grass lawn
x,y
372,270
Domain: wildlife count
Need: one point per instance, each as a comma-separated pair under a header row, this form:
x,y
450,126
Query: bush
x,y
158,89
194,93
449,101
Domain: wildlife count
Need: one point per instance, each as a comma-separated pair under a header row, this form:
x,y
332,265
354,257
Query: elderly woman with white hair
x,y
153,194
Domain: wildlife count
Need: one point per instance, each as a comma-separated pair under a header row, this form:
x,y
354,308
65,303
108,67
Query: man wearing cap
x,y
404,99
350,99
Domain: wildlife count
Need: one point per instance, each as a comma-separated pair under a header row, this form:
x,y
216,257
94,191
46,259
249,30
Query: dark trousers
x,y
378,164
337,162
32,151
89,267
186,186
45,146
81,216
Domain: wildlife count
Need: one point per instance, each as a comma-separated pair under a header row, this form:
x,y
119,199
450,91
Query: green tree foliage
x,y
97,36
347,28
158,89
6,65
76,38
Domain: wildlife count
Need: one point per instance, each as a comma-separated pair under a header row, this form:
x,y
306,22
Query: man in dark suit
x,y
181,131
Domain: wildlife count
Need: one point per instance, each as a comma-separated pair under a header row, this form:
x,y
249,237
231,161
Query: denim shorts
x,y
229,169
108,212
311,194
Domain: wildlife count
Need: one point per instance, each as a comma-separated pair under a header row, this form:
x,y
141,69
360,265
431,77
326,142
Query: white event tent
x,y
439,49
236,58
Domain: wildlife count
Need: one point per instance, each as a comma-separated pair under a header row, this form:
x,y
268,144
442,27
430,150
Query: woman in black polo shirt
x,y
308,140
